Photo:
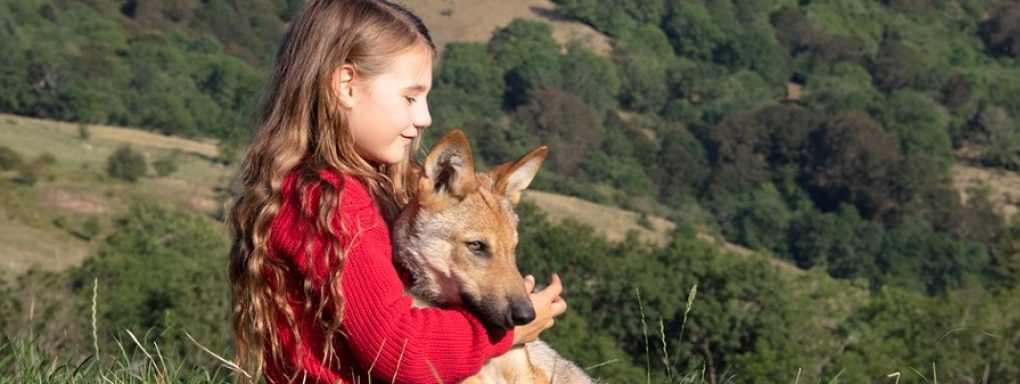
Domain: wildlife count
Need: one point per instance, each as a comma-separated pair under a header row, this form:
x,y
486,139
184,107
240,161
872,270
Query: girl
x,y
316,296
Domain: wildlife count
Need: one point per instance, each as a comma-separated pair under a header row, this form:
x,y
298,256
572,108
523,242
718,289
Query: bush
x,y
10,159
166,164
127,164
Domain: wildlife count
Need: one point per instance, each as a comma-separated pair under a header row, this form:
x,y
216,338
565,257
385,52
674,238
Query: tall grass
x,y
23,360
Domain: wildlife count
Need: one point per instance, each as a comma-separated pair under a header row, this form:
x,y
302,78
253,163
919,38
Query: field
x,y
475,20
77,189
41,222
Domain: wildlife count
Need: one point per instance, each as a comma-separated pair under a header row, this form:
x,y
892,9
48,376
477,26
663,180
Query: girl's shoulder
x,y
353,191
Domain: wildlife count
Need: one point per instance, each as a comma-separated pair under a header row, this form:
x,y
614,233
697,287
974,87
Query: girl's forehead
x,y
413,63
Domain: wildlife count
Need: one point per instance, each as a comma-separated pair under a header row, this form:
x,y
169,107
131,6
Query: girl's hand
x,y
548,305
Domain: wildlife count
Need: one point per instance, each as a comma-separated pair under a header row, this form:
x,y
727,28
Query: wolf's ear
x,y
513,177
449,167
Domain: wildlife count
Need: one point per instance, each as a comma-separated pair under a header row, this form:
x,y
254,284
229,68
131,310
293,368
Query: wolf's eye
x,y
479,248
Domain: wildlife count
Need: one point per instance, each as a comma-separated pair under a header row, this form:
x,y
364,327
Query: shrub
x,y
166,164
10,159
127,164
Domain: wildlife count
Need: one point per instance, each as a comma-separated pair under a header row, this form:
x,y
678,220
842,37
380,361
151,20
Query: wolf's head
x,y
457,238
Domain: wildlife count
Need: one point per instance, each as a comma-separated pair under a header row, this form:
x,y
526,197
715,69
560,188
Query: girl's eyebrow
x,y
417,88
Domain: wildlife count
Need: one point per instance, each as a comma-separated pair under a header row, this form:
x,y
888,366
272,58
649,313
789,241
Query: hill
x,y
41,220
42,223
475,20
76,189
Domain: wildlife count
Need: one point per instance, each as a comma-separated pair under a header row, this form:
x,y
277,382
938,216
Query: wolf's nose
x,y
522,314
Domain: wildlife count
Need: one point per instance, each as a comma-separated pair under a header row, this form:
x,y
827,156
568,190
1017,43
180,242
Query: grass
x,y
41,224
475,20
22,360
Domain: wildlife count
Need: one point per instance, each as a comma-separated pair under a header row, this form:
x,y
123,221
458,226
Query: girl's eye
x,y
411,99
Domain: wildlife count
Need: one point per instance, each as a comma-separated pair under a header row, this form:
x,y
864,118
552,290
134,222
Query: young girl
x,y
317,298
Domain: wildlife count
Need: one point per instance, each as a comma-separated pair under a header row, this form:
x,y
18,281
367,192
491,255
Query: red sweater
x,y
381,332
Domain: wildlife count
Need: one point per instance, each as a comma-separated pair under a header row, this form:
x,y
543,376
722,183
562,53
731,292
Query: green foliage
x,y
680,167
78,62
159,271
746,148
91,228
468,84
615,18
914,256
167,164
642,62
10,159
896,65
30,173
1001,29
529,58
999,135
692,31
920,124
853,161
126,164
842,243
26,361
591,77
840,87
565,122
849,180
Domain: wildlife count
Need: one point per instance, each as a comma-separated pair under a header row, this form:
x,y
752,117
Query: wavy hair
x,y
302,129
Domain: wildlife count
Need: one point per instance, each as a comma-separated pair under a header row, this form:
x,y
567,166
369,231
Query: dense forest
x,y
819,133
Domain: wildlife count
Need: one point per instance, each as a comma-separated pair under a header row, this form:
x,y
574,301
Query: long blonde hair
x,y
303,129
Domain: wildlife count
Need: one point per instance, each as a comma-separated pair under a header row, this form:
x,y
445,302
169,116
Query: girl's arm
x,y
391,339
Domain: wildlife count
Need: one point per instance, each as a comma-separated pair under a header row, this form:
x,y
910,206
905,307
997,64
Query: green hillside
x,y
852,162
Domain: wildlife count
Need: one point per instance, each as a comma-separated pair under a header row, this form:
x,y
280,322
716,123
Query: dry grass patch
x,y
73,200
1001,187
612,222
63,139
26,246
475,20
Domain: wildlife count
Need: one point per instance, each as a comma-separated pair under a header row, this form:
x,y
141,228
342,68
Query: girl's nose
x,y
422,117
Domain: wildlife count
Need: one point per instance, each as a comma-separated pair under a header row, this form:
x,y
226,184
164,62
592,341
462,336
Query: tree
x,y
746,148
692,31
566,124
642,67
853,158
127,164
921,125
956,91
841,242
615,18
1001,29
529,58
592,77
895,66
794,31
999,137
682,167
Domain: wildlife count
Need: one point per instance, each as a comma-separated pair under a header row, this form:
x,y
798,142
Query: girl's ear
x,y
343,80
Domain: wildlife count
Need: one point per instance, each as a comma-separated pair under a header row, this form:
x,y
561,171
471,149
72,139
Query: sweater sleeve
x,y
391,339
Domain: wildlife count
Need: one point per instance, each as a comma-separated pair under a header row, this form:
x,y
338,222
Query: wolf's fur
x,y
457,240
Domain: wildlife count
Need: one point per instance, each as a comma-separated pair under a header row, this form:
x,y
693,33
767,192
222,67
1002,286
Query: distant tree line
x,y
169,67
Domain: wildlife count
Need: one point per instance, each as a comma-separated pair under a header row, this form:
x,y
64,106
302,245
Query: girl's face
x,y
387,111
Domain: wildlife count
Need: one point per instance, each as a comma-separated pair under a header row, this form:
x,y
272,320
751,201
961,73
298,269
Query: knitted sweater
x,y
381,333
